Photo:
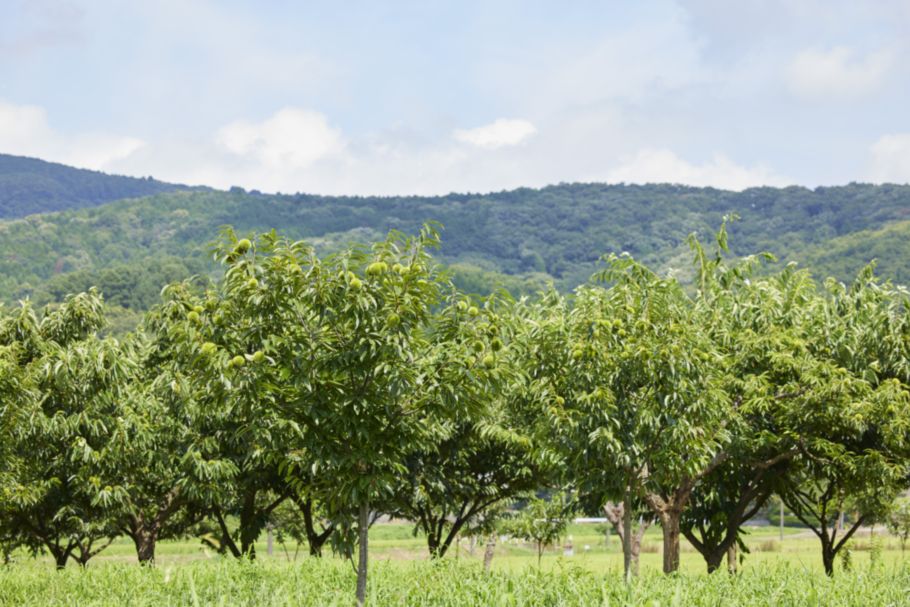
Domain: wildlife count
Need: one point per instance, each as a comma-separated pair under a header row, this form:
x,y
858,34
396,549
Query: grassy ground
x,y
449,583
396,542
775,573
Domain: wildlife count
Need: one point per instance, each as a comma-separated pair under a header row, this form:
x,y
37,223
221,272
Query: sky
x,y
430,97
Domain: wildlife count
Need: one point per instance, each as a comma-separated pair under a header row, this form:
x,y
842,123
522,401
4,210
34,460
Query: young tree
x,y
347,384
223,341
757,325
479,462
456,481
77,379
640,408
542,522
148,459
371,383
853,451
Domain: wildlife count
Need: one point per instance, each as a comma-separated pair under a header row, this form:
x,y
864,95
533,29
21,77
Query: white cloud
x,y
292,138
839,71
25,131
296,150
890,159
500,133
663,166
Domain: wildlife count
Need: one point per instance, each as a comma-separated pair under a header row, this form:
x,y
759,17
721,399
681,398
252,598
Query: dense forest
x,y
520,239
30,185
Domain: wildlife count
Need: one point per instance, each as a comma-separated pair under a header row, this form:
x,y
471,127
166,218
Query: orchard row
x,y
362,383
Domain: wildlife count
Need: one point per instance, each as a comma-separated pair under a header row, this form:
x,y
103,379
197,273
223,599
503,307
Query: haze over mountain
x,y
30,185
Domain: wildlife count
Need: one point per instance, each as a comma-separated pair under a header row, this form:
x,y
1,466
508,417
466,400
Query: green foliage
x,y
360,380
55,500
518,240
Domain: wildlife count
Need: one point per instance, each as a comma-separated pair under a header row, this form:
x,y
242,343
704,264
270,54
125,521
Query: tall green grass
x,y
447,583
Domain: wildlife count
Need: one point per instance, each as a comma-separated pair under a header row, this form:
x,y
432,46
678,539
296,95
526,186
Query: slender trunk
x,y
363,523
249,526
315,540
539,553
60,559
670,524
627,534
616,516
731,558
488,552
269,545
817,521
433,545
227,542
636,544
828,559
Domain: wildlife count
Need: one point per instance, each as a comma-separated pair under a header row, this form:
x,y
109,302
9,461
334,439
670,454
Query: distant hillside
x,y
29,185
845,255
520,239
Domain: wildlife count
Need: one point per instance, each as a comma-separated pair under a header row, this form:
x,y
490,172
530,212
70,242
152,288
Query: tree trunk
x,y
636,543
315,540
488,552
433,545
616,516
145,541
713,560
828,559
60,559
83,559
363,530
227,542
816,517
85,549
627,535
249,527
670,525
731,559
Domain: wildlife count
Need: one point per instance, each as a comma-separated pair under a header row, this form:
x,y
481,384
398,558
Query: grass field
x,y
775,573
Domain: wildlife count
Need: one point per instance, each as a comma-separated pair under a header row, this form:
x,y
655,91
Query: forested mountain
x,y
520,239
29,185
